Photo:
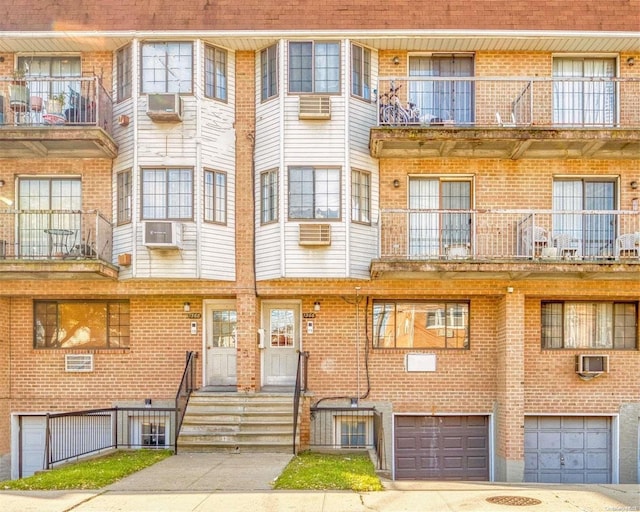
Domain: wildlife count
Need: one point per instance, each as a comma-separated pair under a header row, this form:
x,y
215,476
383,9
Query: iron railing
x,y
347,428
185,388
598,236
597,102
55,235
300,387
54,102
72,435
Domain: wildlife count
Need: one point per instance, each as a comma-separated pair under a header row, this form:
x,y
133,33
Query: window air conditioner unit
x,y
315,234
589,364
163,235
165,108
78,362
314,107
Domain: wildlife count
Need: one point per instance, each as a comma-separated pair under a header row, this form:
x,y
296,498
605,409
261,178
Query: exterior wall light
x,y
631,61
396,60
316,306
186,307
396,183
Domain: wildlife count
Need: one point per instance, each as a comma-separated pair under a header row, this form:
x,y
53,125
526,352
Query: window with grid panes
x,y
215,196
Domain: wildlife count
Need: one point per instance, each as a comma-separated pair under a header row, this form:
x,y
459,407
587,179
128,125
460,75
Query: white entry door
x,y
220,344
281,323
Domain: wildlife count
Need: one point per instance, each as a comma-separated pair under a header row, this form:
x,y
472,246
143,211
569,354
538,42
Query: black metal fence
x,y
348,428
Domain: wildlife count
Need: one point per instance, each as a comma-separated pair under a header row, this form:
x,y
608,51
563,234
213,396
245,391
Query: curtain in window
x,y
581,99
588,325
424,227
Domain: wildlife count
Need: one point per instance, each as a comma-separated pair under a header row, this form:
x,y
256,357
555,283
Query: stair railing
x,y
300,387
184,392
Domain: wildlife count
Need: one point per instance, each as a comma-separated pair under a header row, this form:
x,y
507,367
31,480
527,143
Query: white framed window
x,y
269,72
167,67
354,431
314,193
124,197
269,196
282,324
314,67
150,431
215,196
589,325
123,72
167,193
360,196
420,324
361,72
215,73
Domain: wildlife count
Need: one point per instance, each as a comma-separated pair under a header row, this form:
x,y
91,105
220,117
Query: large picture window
x,y
167,194
589,325
314,193
81,324
314,67
167,67
420,324
215,73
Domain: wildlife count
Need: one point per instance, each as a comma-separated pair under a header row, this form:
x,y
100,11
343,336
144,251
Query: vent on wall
x,y
165,108
78,362
315,234
315,107
590,364
162,235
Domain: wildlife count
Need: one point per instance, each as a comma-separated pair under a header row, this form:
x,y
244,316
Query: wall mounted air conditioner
x,y
78,362
162,235
165,108
315,234
314,107
592,364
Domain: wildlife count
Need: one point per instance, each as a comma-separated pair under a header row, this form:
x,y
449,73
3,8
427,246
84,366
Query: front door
x,y
281,324
220,343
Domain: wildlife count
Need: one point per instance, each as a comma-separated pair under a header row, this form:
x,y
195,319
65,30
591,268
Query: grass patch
x,y
320,471
89,474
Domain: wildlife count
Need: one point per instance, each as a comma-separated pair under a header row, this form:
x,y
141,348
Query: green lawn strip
x,y
320,471
89,474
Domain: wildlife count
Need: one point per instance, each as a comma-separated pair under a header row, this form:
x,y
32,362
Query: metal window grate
x,y
78,362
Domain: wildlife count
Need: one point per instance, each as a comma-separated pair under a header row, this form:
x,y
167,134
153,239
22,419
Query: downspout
x,y
282,172
135,172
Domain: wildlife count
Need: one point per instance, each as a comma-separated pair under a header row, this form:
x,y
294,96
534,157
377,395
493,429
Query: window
x,y
282,328
589,325
215,196
441,232
314,193
361,72
123,72
269,196
420,324
578,99
167,194
360,196
269,72
81,324
57,71
354,431
215,73
149,429
124,197
314,67
167,67
224,328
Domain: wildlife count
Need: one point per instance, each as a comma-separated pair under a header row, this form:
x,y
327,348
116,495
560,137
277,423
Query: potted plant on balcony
x,y
55,105
18,92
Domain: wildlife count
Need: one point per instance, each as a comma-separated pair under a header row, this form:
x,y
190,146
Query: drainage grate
x,y
518,501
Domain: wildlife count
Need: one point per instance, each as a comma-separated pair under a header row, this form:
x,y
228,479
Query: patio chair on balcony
x,y
567,246
628,246
535,239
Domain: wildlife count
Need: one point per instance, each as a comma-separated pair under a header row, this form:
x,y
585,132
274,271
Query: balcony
x,y
508,244
472,117
55,244
55,118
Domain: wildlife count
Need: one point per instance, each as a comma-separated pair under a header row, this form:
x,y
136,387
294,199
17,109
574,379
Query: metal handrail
x,y
184,392
300,386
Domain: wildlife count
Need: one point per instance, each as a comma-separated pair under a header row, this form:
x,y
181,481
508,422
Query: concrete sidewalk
x,y
230,482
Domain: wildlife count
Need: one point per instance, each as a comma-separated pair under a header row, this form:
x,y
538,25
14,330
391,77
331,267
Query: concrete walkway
x,y
242,482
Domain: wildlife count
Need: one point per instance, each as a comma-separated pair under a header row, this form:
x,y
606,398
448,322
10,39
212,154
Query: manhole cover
x,y
519,501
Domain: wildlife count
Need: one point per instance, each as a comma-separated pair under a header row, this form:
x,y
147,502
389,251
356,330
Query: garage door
x,y
567,449
441,448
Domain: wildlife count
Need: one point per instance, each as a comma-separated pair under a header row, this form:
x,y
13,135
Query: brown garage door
x,y
441,447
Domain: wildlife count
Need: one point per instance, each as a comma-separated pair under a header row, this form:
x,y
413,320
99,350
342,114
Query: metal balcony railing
x,y
55,102
509,102
55,235
482,235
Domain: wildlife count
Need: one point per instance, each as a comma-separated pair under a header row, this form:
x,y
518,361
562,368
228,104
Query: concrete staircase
x,y
238,422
